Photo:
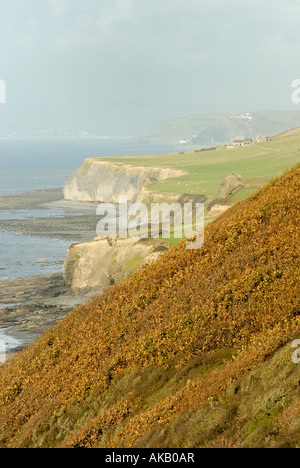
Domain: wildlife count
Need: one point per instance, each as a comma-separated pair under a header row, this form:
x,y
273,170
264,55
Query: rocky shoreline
x,y
31,200
33,305
76,223
30,305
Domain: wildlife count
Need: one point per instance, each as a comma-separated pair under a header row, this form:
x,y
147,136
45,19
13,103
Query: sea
x,y
38,164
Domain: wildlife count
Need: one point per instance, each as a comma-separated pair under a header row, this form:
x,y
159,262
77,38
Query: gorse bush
x,y
169,340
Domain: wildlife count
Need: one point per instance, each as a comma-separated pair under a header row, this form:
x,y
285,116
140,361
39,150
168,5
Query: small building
x,y
242,143
262,139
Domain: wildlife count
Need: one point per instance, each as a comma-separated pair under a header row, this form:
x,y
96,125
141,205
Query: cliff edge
x,y
102,181
103,262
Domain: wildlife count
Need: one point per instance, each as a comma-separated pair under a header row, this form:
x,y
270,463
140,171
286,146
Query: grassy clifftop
x,y
191,351
205,170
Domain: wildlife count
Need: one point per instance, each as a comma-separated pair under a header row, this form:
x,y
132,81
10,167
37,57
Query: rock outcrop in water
x,y
102,181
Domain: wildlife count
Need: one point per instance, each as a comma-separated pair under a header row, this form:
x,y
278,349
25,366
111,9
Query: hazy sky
x,y
121,65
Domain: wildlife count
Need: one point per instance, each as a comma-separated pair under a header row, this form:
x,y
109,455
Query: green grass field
x,y
206,170
257,164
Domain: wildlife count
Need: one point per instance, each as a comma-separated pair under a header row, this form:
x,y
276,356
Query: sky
x,y
120,66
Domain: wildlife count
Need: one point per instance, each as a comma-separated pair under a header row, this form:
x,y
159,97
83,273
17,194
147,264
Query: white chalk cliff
x,y
101,181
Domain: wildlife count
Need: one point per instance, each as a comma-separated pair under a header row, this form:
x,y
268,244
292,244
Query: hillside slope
x,y
202,129
194,350
174,129
227,129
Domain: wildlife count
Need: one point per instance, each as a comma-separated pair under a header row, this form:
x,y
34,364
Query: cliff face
x,y
102,181
104,262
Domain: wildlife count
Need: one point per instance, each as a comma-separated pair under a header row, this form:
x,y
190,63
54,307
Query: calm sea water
x,y
29,165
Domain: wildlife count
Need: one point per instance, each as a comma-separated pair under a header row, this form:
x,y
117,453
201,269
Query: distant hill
x,y
192,351
219,129
174,129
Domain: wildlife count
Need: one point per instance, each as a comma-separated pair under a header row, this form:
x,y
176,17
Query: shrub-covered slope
x,y
194,350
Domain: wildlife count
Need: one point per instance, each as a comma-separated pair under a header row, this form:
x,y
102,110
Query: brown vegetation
x,y
151,362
